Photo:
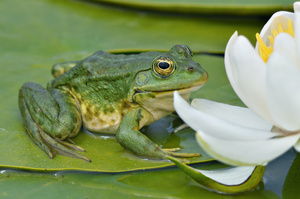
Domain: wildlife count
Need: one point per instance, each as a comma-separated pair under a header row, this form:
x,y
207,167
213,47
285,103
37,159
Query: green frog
x,y
109,93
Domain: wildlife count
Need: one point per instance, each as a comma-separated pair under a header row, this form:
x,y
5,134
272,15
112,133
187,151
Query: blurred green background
x,y
35,34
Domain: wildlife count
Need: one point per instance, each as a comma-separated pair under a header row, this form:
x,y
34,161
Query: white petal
x,y
230,176
285,44
217,126
283,86
227,60
297,6
272,24
297,146
239,116
246,72
297,31
245,153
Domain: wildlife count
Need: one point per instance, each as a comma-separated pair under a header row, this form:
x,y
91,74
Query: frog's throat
x,y
160,103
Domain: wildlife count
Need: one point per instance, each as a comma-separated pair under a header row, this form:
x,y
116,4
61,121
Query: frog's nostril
x,y
190,69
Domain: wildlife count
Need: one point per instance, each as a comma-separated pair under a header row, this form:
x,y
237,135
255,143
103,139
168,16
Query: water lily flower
x,y
267,79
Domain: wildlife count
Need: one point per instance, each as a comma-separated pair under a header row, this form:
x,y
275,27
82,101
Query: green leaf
x,y
17,150
36,34
209,7
250,183
292,181
62,30
149,184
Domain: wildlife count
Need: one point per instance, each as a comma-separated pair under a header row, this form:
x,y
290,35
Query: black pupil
x,y
164,65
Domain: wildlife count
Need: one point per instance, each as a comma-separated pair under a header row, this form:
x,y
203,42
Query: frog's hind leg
x,y
50,117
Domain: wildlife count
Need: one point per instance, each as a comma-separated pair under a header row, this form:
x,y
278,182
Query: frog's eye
x,y
163,66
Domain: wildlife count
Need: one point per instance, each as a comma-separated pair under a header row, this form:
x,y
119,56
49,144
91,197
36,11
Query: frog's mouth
x,y
169,92
189,90
197,85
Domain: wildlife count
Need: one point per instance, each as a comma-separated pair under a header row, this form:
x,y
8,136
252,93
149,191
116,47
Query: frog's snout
x,y
205,77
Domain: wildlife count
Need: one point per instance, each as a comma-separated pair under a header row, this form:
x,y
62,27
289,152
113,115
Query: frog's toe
x,y
171,149
36,137
70,144
181,127
52,146
182,155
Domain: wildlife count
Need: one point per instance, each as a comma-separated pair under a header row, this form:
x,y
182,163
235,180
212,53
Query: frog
x,y
109,94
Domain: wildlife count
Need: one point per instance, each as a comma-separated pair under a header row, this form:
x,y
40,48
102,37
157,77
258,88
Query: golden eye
x,y
163,66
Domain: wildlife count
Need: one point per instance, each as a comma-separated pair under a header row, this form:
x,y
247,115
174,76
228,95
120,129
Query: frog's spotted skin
x,y
106,93
97,120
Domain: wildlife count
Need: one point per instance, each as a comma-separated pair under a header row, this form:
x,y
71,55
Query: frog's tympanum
x,y
109,93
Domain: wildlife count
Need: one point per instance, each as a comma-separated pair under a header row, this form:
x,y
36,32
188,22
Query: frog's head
x,y
170,71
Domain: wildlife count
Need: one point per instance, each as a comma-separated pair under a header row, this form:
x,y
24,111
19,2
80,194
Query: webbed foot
x,y
63,148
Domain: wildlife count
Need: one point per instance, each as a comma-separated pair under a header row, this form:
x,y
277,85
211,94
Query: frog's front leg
x,y
129,136
50,117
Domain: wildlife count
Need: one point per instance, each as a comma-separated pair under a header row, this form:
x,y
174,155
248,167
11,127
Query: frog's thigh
x,y
50,115
133,140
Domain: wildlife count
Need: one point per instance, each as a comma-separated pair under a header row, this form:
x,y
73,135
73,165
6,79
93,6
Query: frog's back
x,y
102,63
102,66
101,83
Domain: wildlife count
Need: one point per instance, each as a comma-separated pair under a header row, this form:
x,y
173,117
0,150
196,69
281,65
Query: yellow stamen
x,y
290,29
264,50
279,28
274,33
271,40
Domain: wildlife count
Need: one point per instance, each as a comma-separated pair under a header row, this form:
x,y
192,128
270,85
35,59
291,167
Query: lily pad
x,y
18,151
147,184
61,30
37,34
290,188
208,7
